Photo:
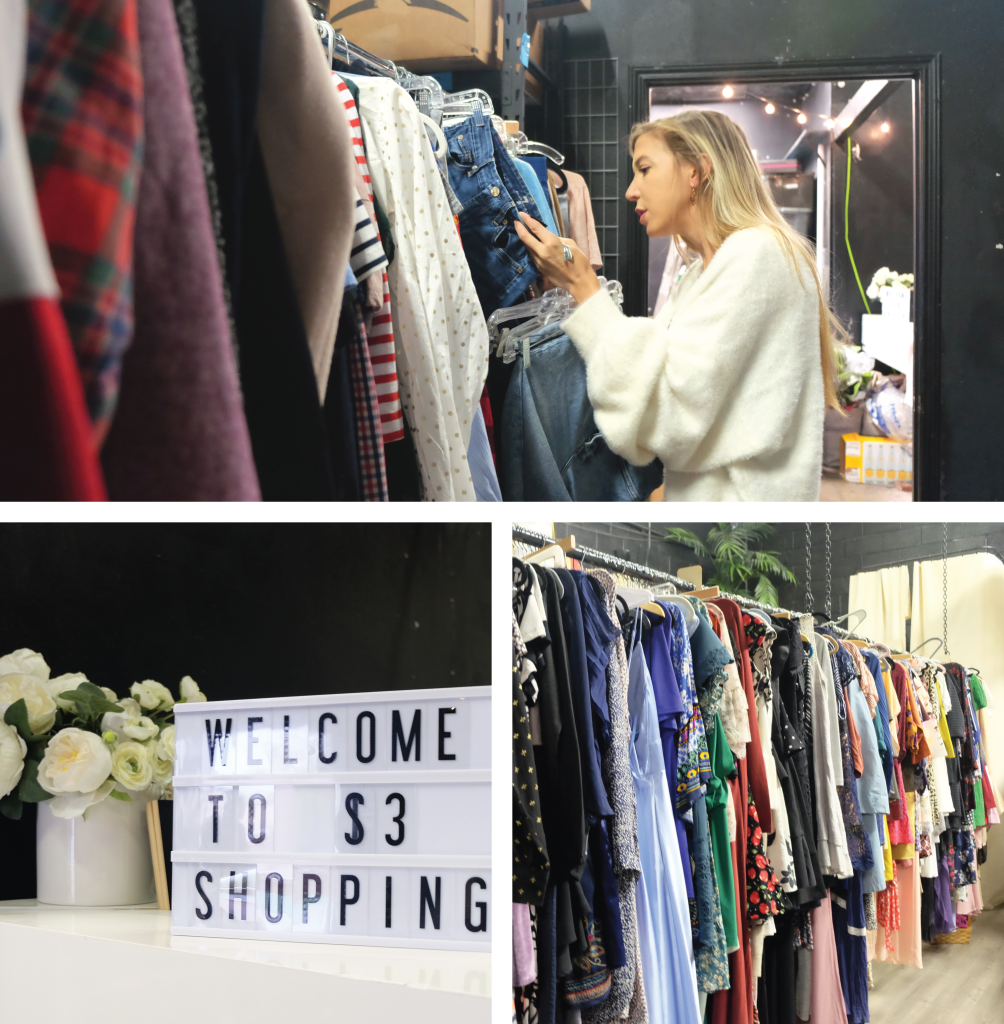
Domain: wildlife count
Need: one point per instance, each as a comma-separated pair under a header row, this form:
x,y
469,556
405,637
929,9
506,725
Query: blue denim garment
x,y
487,181
549,446
479,458
539,195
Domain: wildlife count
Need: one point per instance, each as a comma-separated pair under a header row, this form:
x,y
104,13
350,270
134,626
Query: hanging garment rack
x,y
602,560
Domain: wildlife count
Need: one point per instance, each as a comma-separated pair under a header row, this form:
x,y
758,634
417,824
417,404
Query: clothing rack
x,y
643,572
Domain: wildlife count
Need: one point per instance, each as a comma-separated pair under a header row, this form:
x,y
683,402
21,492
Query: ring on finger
x,y
567,253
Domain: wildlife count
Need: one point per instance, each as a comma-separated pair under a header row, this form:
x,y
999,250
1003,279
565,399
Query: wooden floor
x,y
958,984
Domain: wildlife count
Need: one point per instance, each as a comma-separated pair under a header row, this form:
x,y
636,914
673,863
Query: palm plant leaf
x,y
688,540
768,562
765,591
725,542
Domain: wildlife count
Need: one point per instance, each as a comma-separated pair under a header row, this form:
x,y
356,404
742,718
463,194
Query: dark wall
x,y
970,38
881,207
854,548
248,610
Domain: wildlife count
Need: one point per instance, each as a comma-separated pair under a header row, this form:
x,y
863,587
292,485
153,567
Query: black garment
x,y
404,482
230,45
281,403
788,687
339,408
776,988
288,435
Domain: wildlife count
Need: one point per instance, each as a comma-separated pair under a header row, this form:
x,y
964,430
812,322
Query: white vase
x,y
103,861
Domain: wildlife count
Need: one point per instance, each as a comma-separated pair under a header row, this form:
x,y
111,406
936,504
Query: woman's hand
x,y
547,250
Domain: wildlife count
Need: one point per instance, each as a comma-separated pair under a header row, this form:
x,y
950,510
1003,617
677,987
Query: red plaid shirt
x,y
83,119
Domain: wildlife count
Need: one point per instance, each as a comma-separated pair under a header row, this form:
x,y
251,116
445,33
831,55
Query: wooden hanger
x,y
544,554
704,594
656,609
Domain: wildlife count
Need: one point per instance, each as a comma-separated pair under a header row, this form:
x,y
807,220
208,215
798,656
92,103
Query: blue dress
x,y
663,914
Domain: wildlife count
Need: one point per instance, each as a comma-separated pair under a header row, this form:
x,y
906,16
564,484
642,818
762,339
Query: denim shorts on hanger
x,y
549,447
491,188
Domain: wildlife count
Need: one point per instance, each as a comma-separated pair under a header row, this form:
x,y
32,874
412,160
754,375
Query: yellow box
x,y
881,461
448,36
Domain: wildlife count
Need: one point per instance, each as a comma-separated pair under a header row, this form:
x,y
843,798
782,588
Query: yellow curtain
x,y
885,595
975,640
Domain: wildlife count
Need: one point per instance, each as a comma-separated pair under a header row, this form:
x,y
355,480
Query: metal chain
x,y
828,608
808,567
944,590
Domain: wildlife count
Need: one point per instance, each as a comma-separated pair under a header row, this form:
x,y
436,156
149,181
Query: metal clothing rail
x,y
643,572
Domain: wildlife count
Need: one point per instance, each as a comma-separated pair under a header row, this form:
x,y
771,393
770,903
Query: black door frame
x,y
925,70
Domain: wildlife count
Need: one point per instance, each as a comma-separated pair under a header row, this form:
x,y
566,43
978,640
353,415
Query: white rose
x,y
143,729
163,770
69,681
76,761
116,721
24,663
12,751
109,694
165,744
190,692
131,766
41,707
152,695
73,805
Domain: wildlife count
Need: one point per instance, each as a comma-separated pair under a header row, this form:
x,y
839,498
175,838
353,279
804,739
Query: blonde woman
x,y
728,384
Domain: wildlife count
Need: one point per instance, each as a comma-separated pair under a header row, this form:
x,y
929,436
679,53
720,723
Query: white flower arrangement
x,y
886,278
73,743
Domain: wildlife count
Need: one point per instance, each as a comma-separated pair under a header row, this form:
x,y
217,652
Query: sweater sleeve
x,y
721,381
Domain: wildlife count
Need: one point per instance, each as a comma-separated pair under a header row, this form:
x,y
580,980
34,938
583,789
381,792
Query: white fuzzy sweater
x,y
725,385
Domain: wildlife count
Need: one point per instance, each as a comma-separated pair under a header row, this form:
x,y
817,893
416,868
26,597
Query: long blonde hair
x,y
734,196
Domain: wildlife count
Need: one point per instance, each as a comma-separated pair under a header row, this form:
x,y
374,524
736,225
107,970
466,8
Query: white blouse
x,y
440,332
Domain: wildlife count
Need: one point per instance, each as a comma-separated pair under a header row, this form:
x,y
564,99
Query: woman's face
x,y
661,188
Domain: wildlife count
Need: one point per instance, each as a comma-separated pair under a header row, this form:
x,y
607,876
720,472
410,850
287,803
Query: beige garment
x,y
308,158
581,227
906,943
885,595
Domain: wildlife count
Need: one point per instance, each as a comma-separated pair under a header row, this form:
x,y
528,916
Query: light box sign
x,y
358,818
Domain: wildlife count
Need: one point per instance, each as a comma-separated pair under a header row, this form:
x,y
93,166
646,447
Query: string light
x,y
801,119
885,126
829,122
728,92
769,109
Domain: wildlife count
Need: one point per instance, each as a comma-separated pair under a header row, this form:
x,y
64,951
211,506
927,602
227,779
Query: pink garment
x,y
179,433
899,828
524,966
827,992
906,943
581,227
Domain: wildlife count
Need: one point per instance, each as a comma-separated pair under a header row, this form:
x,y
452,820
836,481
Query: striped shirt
x,y
381,328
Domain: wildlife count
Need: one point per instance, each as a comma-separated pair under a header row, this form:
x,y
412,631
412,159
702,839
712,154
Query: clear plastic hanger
x,y
426,91
460,104
552,307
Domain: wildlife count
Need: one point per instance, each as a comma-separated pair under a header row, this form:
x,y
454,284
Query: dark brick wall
x,y
854,548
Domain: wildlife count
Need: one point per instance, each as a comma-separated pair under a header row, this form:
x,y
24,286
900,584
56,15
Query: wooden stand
x,y
157,853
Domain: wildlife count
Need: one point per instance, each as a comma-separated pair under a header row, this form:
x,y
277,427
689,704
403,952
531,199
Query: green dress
x,y
722,765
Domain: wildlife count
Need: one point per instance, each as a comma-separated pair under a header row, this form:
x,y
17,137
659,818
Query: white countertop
x,y
100,944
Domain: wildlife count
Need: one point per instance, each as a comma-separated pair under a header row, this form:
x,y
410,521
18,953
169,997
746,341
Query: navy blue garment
x,y
547,958
491,188
600,633
593,789
606,902
549,446
881,720
847,907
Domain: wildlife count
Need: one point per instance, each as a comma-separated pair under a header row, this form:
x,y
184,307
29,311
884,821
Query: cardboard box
x,y
880,461
441,35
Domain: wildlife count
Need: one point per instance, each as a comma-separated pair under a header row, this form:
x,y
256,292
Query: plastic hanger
x,y
545,554
930,640
441,149
552,307
634,597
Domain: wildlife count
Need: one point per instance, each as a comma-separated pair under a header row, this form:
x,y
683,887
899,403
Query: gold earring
x,y
693,196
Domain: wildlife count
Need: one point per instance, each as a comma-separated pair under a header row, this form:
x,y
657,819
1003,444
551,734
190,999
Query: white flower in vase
x,y
152,695
75,770
68,681
165,744
131,765
12,751
130,723
190,692
41,707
